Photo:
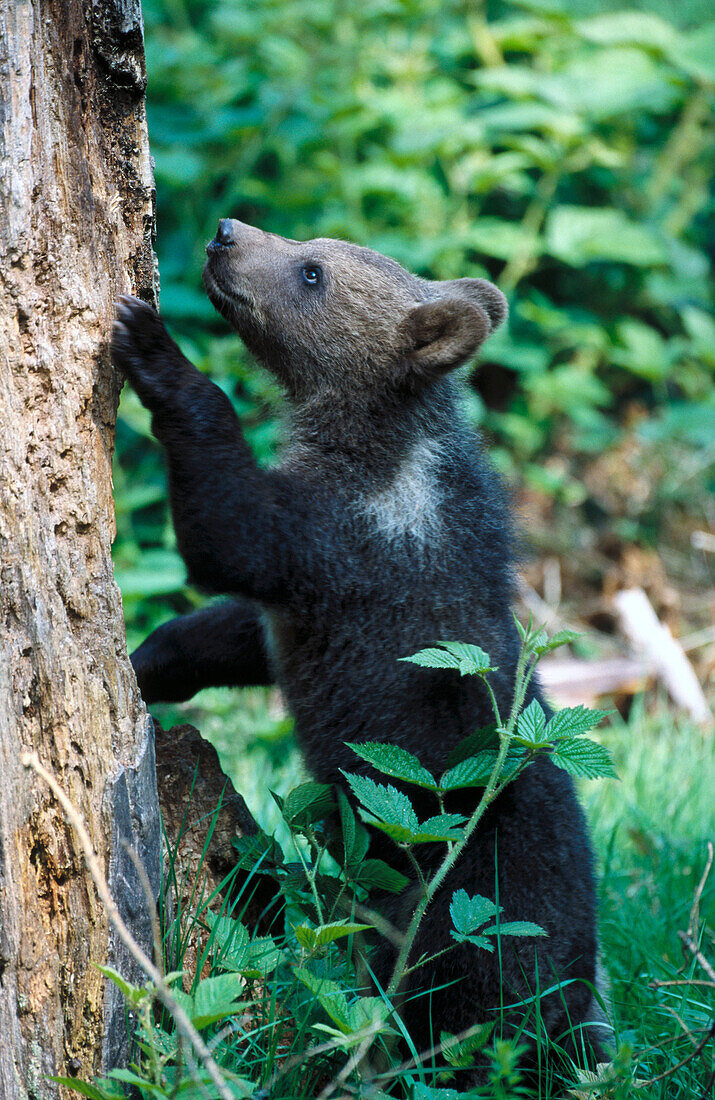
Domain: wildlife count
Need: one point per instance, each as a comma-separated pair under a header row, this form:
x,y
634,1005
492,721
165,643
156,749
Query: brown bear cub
x,y
382,530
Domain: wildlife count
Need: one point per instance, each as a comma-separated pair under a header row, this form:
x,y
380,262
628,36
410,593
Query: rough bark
x,y
199,805
76,216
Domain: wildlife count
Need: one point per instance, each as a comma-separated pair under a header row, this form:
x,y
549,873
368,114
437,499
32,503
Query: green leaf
x,y
478,940
532,723
229,942
356,839
468,913
388,807
473,772
329,995
394,761
442,827
476,770
472,659
468,660
217,998
644,351
375,874
308,803
695,52
432,658
515,928
263,958
584,758
485,738
628,28
427,1092
580,234
133,993
573,721
310,938
562,637
85,1089
368,1012
501,238
160,573
459,1052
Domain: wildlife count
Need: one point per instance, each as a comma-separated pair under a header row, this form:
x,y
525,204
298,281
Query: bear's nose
x,y
224,234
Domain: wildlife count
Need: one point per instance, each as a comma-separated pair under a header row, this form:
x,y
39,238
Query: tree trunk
x,y
76,220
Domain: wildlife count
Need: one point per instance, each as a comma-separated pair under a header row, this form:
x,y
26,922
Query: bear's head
x,y
329,315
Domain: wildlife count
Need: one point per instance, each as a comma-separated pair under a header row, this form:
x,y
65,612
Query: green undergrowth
x,y
288,1010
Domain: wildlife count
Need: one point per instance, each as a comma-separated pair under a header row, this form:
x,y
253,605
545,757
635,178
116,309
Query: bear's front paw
x,y
145,353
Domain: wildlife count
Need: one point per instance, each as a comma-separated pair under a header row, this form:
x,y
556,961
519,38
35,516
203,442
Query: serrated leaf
x,y
475,771
329,995
184,1001
216,998
386,805
230,942
584,758
432,658
515,928
472,659
263,957
428,1092
562,637
573,721
395,761
356,839
468,913
308,803
310,938
375,874
477,940
467,659
442,827
532,723
458,1052
257,849
368,1012
487,737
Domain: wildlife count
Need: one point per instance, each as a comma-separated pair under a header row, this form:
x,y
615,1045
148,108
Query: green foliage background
x,y
557,146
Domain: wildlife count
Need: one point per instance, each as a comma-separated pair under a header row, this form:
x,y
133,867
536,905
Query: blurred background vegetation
x,y
561,148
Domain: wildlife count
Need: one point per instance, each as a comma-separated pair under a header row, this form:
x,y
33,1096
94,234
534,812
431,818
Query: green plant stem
x,y
418,870
310,875
522,678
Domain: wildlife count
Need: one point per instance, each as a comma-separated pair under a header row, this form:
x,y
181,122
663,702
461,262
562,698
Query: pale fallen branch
x,y
653,641
163,992
570,681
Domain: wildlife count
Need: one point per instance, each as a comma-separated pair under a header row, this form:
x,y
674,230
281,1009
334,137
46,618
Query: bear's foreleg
x,y
239,529
219,646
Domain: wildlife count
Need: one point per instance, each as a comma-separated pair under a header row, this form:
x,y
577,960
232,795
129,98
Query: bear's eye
x,y
311,274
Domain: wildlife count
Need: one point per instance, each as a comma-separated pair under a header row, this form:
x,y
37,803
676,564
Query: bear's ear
x,y
481,293
438,336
